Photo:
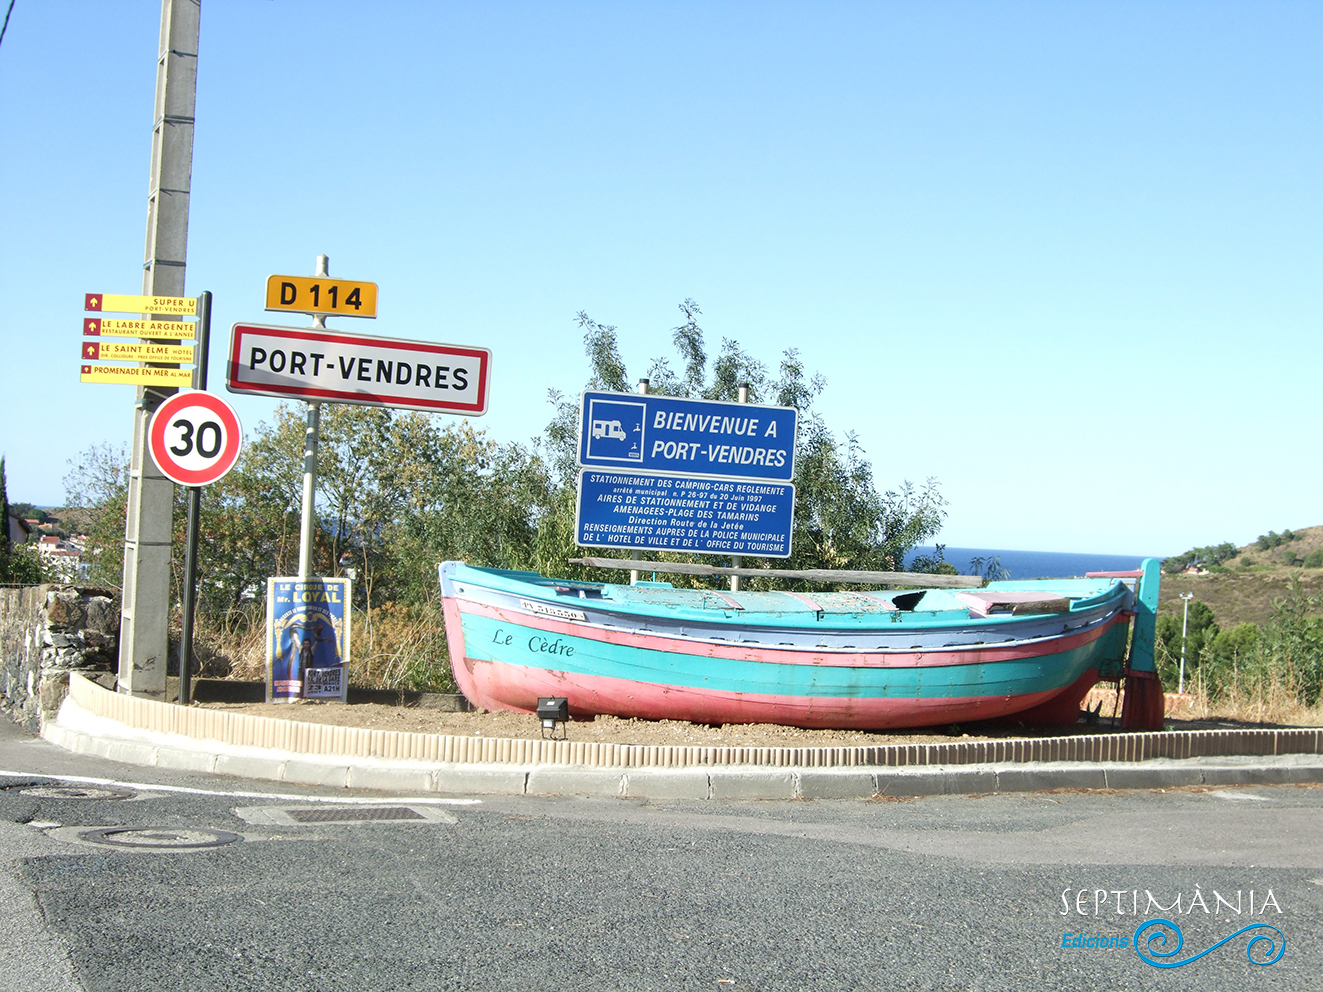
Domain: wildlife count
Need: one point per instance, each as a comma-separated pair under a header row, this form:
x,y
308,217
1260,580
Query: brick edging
x,y
313,738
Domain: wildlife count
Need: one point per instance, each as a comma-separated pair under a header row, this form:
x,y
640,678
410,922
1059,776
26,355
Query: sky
x,y
1064,258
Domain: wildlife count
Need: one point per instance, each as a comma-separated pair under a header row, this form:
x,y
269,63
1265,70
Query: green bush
x,y
1285,654
1314,559
26,567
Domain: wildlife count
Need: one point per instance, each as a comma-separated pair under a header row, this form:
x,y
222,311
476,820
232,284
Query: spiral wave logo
x,y
1153,947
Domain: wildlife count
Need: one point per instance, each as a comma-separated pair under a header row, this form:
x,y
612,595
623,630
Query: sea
x,y
1037,564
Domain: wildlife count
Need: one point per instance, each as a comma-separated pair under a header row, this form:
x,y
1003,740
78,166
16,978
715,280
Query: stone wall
x,y
46,632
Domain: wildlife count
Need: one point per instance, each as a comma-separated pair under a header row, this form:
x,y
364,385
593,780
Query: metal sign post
x,y
310,456
194,510
644,385
737,560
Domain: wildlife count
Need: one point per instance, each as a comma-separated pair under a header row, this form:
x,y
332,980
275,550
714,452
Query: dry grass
x,y
1236,596
392,647
1269,704
230,646
1273,705
400,646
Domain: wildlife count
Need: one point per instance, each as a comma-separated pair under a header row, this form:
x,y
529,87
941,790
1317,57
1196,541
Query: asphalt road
x,y
555,893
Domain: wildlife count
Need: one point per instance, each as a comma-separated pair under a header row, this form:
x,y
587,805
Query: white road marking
x,y
152,787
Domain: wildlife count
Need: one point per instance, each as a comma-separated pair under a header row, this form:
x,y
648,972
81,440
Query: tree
x,y
1209,557
841,520
29,512
98,481
1293,641
1201,633
21,565
4,519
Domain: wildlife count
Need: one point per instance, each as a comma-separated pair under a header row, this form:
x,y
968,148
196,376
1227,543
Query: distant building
x,y
64,557
20,531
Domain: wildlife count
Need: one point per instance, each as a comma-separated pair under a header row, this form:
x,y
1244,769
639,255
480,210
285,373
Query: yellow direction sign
x,y
119,351
319,294
178,306
109,327
136,375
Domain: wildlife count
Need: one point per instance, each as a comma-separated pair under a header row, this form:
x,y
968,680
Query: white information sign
x,y
322,365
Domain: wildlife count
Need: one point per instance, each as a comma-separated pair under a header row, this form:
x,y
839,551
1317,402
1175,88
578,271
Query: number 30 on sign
x,y
195,438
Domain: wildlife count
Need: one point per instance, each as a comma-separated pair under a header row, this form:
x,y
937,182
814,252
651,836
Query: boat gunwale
x,y
1110,600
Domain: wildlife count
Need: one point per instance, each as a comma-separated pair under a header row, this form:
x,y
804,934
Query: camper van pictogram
x,y
609,428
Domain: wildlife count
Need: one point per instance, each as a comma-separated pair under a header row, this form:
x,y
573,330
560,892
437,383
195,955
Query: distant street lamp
x,y
1185,625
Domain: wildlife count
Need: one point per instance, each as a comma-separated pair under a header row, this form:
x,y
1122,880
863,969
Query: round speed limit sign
x,y
195,438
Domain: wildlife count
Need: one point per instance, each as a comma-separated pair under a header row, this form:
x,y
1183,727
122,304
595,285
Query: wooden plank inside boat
x,y
985,604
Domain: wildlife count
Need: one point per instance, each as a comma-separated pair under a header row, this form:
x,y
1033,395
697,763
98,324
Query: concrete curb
x,y
77,730
308,738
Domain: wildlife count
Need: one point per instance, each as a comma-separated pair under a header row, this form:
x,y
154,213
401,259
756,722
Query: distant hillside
x,y
1244,589
1306,541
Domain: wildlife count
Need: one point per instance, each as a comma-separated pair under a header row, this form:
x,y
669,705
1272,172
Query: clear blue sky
x,y
1063,257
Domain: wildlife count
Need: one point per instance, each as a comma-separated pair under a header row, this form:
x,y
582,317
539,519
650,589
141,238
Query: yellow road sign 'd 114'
x,y
109,327
319,294
136,375
120,351
179,306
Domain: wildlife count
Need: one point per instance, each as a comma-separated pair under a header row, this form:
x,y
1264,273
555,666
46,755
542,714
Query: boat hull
x,y
505,654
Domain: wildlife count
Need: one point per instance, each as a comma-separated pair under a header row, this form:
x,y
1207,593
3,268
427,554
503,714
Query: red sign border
x,y
475,409
161,454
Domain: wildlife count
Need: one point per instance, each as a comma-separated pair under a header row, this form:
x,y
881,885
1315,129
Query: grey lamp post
x,y
1185,625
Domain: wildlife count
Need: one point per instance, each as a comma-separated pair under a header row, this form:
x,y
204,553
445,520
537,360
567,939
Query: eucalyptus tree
x,y
842,520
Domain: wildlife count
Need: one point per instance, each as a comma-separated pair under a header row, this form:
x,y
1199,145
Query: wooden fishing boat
x,y
863,660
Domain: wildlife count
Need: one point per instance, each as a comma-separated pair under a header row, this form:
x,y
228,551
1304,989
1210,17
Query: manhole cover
x,y
182,838
354,813
73,792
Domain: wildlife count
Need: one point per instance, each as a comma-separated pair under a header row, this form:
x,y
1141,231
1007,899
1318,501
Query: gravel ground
x,y
614,730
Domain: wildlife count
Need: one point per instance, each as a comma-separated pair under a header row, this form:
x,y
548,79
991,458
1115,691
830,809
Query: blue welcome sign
x,y
683,437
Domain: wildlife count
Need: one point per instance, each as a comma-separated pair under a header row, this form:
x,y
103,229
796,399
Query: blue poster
x,y
646,432
307,639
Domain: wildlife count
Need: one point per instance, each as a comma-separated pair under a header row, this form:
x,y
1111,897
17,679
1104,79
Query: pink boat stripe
x,y
730,600
808,601
774,654
496,685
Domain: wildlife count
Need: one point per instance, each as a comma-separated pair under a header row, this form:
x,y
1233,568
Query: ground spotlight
x,y
553,710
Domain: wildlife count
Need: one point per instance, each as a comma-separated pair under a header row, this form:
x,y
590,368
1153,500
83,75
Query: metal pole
x,y
145,609
634,572
1185,625
310,457
194,513
737,560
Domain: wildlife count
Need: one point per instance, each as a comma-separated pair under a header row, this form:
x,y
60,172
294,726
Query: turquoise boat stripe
x,y
485,639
